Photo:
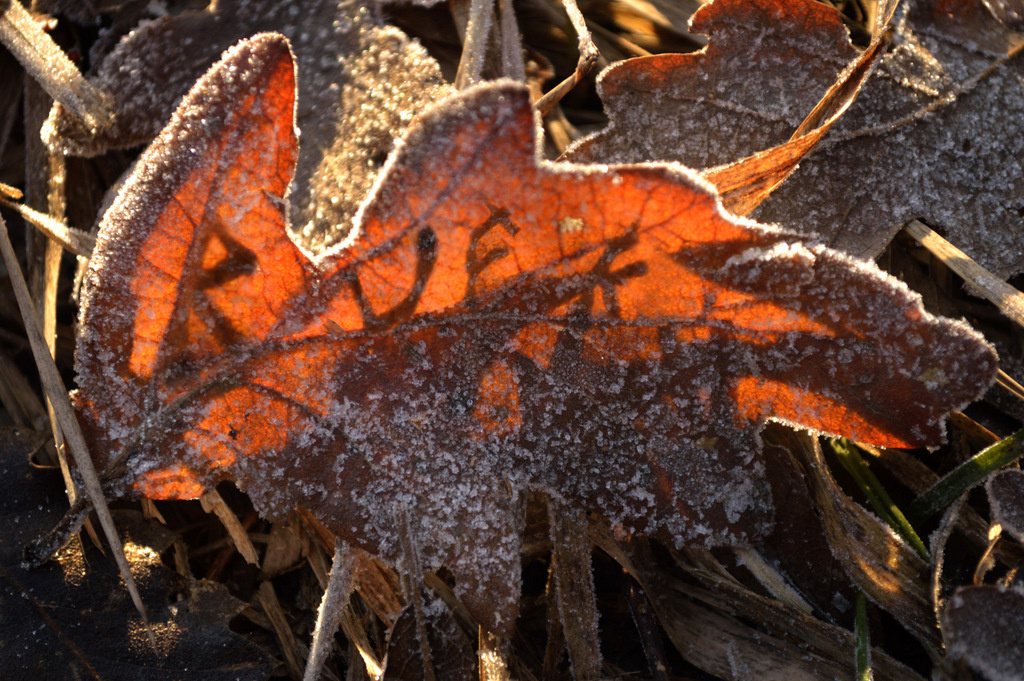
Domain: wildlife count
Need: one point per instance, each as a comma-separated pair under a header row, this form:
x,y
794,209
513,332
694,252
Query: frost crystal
x,y
465,349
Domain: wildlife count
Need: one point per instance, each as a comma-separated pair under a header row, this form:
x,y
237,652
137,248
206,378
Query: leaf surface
x,y
497,324
935,134
362,82
766,65
1006,498
983,625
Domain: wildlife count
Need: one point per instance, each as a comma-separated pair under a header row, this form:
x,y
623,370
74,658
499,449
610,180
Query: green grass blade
x,y
883,504
965,476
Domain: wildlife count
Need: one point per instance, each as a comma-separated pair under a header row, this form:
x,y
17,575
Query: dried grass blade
x,y
939,540
709,620
574,588
1009,300
44,187
54,387
19,398
358,637
863,639
212,502
43,59
293,652
71,240
771,580
492,654
588,57
413,579
647,626
1006,381
477,21
335,600
512,64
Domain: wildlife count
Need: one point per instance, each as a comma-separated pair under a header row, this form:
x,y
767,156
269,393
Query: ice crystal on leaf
x,y
361,81
466,346
935,133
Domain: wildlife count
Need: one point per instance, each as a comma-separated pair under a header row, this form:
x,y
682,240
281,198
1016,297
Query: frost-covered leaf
x,y
606,334
984,625
645,97
361,84
1006,497
933,134
766,64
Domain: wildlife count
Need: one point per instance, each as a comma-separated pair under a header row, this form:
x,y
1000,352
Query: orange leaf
x,y
498,324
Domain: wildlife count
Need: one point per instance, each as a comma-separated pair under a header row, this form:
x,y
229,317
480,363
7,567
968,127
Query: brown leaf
x,y
984,625
766,65
500,324
939,136
743,183
1006,497
934,134
361,84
